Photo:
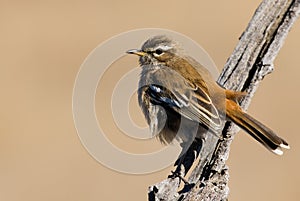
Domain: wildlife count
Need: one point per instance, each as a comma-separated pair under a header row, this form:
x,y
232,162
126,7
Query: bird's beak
x,y
136,52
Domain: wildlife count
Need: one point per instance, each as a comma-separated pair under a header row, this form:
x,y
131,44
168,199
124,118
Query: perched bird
x,y
181,100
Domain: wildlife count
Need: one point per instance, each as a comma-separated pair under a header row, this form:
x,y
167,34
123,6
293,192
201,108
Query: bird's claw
x,y
181,178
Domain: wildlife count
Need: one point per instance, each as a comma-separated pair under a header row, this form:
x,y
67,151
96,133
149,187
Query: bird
x,y
181,100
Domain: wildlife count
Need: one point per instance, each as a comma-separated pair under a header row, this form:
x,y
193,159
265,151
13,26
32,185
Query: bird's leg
x,y
186,159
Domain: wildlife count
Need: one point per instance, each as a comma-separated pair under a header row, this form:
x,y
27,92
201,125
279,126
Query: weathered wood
x,y
250,62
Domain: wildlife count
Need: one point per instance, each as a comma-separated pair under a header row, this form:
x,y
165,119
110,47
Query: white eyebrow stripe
x,y
164,47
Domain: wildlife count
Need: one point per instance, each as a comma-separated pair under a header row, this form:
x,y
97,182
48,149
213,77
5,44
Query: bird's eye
x,y
158,51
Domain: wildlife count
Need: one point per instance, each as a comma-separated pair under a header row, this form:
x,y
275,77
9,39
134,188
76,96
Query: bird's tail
x,y
260,132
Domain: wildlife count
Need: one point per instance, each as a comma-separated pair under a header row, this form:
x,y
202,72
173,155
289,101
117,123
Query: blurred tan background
x,y
43,44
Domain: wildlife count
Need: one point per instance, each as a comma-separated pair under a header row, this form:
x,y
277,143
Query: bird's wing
x,y
190,101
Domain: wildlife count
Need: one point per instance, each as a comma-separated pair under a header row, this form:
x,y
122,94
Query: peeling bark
x,y
250,62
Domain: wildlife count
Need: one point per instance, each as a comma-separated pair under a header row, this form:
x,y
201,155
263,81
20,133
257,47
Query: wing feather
x,y
195,105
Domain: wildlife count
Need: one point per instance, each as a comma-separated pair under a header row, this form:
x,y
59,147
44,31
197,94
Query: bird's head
x,y
158,49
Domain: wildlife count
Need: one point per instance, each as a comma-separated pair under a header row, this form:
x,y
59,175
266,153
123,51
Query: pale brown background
x,y
42,45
